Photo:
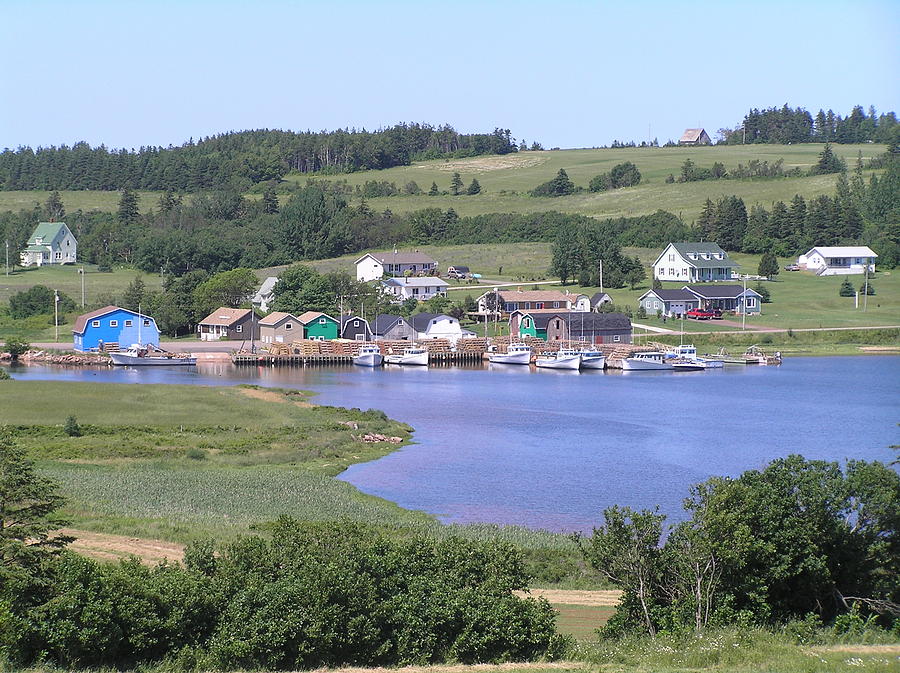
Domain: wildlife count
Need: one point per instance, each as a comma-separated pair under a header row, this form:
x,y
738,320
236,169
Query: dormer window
x,y
693,255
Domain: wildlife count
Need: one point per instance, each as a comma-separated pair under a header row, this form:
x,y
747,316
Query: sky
x,y
128,73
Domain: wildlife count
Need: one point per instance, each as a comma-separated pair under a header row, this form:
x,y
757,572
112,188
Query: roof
x,y
598,296
384,322
702,248
49,231
844,251
460,267
417,281
225,316
267,286
276,317
595,321
399,257
692,135
672,295
718,291
420,321
82,320
37,248
347,318
535,295
309,316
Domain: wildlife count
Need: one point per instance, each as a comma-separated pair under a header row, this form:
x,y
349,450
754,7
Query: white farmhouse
x,y
838,261
265,296
438,326
374,265
417,288
51,243
693,263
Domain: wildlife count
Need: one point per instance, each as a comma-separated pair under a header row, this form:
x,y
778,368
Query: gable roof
x,y
535,295
595,321
718,291
384,322
225,316
276,317
309,316
460,267
700,249
398,257
49,231
671,295
598,296
420,321
82,320
692,135
347,318
417,281
266,288
843,251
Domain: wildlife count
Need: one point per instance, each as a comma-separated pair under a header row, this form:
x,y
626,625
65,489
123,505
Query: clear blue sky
x,y
569,74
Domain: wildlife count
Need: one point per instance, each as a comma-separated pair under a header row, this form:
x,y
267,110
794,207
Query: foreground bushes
x,y
312,595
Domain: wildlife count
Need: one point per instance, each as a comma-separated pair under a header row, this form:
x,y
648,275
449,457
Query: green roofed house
x,y
318,326
693,263
51,243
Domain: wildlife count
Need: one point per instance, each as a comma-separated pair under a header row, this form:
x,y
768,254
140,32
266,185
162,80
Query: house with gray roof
x,y
695,137
438,326
50,243
417,288
595,328
388,327
693,263
355,328
374,265
671,303
727,298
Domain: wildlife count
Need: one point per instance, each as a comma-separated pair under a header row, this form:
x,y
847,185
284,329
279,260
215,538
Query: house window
x,y
322,321
239,328
656,304
95,323
672,257
671,272
539,305
360,337
58,255
113,323
146,323
556,304
526,322
129,323
415,290
616,337
356,323
751,302
288,326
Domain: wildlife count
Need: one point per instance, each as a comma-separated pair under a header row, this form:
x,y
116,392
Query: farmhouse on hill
x,y
693,263
50,243
265,295
417,288
110,326
838,260
695,137
374,265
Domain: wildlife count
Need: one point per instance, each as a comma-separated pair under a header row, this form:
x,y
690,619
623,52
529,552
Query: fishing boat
x,y
687,365
409,356
565,358
725,358
754,355
592,359
516,354
689,352
138,355
368,356
646,361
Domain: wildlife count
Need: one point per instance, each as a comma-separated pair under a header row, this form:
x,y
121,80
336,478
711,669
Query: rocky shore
x,y
58,358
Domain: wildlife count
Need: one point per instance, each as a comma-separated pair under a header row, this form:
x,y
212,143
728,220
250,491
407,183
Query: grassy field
x,y
505,181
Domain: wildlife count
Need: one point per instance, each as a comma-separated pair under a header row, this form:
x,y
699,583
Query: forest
x,y
239,160
787,125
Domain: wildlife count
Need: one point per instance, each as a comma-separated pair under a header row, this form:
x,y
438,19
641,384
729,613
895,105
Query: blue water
x,y
552,449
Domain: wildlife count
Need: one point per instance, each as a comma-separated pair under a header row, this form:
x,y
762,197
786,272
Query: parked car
x,y
704,314
792,267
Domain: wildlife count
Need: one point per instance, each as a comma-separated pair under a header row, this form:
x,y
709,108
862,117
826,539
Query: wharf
x,y
435,359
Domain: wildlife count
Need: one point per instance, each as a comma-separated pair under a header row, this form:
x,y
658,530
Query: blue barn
x,y
112,324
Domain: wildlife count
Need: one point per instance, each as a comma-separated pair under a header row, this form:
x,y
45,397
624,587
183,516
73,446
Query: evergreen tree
x,y
848,223
473,188
867,288
797,222
168,201
635,273
847,289
270,201
768,265
828,162
558,186
763,292
563,253
128,207
707,223
135,294
56,211
731,215
456,185
434,191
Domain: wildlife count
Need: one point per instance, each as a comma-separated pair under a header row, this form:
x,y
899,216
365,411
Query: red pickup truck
x,y
704,314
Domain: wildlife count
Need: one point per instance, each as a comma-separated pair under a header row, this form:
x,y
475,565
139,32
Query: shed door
x,y
678,308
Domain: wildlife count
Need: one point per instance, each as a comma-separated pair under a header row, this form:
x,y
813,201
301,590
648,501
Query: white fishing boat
x,y
409,356
592,359
138,355
368,356
565,358
689,352
646,361
687,365
516,354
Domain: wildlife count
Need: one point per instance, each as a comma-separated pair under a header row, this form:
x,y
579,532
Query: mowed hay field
x,y
505,180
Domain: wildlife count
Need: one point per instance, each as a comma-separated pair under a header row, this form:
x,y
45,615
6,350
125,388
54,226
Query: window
x,y
95,323
146,322
113,323
356,323
656,304
751,302
672,257
322,321
239,328
616,337
360,337
58,255
415,291
129,323
671,272
288,326
556,304
526,322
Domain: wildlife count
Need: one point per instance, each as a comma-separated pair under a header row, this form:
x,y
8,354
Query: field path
x,y
576,596
106,547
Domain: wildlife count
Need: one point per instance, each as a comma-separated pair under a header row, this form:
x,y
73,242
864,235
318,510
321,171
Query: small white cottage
x,y
838,260
51,243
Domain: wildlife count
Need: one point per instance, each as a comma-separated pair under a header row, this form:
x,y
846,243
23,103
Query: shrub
x,y
867,288
71,428
16,347
4,375
847,289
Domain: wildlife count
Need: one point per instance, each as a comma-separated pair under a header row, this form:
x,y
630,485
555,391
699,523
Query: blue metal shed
x,y
112,324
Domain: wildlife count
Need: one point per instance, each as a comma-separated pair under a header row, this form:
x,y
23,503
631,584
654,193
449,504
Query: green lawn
x,y
86,200
97,285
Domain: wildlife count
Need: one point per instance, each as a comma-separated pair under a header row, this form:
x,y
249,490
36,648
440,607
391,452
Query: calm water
x,y
553,449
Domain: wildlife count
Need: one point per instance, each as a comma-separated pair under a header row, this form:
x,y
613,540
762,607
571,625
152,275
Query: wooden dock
x,y
440,359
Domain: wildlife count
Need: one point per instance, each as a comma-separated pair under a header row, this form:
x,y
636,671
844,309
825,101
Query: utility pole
x,y
56,313
601,275
81,273
744,304
7,258
866,290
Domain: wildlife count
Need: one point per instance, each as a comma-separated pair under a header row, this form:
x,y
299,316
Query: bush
x,y
764,293
847,289
4,375
16,347
558,186
71,428
867,288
